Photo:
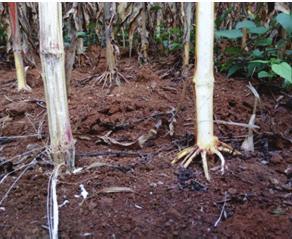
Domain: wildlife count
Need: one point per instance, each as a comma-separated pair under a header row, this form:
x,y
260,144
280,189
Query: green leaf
x,y
285,21
155,7
264,74
258,30
260,61
284,70
175,46
257,53
271,52
245,24
230,34
253,67
275,61
264,42
81,34
281,43
165,43
233,69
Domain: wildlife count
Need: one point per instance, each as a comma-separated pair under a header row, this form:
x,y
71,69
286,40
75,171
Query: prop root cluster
x,y
187,155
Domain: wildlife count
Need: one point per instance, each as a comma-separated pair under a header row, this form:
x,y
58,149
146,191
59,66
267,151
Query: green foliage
x,y
284,70
237,33
245,24
286,21
265,55
81,34
3,35
230,34
258,30
155,7
89,36
170,38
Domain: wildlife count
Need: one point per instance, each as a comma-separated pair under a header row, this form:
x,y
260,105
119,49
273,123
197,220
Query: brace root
x,y
187,155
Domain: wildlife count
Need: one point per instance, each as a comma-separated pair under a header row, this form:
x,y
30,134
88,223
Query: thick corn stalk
x,y
203,80
204,76
52,58
17,49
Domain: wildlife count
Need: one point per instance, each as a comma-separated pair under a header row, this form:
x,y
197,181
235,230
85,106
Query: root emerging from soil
x,y
187,155
25,88
108,79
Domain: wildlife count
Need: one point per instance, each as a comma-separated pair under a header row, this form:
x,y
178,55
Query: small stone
x,y
264,162
154,185
232,191
276,158
274,181
288,172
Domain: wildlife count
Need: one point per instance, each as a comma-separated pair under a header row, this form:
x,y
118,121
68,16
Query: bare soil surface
x,y
253,197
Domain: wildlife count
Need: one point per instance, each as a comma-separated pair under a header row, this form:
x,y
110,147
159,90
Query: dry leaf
x,y
116,190
97,165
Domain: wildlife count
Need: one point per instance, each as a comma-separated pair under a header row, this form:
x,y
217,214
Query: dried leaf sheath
x,y
52,58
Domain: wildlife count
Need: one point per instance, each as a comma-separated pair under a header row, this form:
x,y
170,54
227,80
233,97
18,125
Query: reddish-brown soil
x,y
166,202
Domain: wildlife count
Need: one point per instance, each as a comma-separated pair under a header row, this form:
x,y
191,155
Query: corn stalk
x,y
158,23
108,17
133,25
144,40
204,76
187,18
123,12
129,13
52,59
70,49
82,17
17,48
203,80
